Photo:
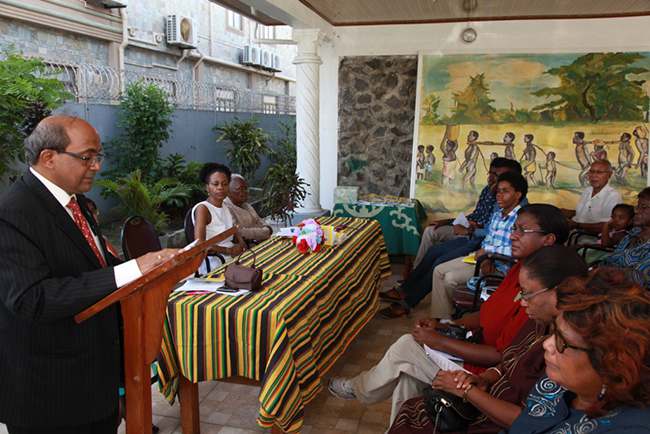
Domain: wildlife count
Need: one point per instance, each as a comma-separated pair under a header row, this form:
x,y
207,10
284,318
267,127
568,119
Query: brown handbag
x,y
242,277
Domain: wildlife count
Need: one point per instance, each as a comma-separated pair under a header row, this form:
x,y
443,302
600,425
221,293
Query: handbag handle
x,y
243,251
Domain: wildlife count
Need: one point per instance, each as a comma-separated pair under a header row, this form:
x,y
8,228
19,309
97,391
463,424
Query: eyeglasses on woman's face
x,y
526,297
560,343
521,231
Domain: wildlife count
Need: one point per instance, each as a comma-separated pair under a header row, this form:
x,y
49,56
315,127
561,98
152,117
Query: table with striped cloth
x,y
289,334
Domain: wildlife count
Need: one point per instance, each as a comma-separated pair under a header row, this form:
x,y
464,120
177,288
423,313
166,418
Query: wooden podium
x,y
144,306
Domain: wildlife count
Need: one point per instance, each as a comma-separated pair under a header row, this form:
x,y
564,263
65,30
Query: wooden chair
x,y
598,247
466,300
188,227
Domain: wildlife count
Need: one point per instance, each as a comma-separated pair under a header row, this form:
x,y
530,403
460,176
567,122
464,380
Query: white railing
x,y
103,85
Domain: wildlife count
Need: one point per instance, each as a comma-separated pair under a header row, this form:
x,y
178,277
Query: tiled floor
x,y
232,409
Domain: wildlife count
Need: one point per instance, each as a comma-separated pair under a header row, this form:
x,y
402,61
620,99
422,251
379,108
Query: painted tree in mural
x,y
596,87
430,110
473,105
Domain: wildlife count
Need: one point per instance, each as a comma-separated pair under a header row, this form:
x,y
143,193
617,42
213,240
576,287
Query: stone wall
x,y
376,115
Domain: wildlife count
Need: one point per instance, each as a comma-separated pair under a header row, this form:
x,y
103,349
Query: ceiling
x,y
374,12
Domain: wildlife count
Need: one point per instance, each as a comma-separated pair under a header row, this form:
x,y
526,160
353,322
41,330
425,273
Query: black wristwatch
x,y
470,232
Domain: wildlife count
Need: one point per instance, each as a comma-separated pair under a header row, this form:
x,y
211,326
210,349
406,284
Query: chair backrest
x,y
139,237
188,226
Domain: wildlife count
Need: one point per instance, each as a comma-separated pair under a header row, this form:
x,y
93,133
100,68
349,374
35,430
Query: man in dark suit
x,y
57,376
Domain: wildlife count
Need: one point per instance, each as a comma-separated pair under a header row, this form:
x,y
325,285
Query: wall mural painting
x,y
554,113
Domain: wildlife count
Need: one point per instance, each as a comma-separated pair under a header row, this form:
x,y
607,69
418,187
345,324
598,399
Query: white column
x,y
307,124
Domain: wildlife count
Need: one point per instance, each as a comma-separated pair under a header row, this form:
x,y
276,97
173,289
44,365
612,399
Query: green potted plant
x,y
282,186
139,198
248,144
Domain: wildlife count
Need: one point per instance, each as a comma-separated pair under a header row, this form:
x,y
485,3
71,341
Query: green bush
x,y
145,114
142,199
282,186
26,97
248,144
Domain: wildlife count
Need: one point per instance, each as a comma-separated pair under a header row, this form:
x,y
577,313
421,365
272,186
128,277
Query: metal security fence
x,y
93,84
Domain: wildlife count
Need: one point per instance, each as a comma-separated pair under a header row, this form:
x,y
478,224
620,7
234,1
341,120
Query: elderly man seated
x,y
251,226
596,203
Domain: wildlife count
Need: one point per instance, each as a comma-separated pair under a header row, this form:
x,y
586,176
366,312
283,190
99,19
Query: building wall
x,y
616,34
147,22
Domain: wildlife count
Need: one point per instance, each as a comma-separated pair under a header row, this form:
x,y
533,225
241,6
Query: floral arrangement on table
x,y
308,236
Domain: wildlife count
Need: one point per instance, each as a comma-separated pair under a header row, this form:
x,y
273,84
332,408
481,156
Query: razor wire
x,y
97,84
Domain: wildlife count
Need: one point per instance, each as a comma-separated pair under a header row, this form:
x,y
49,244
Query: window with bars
x,y
234,21
265,32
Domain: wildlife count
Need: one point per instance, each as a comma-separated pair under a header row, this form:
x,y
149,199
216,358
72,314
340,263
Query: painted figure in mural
x,y
449,161
471,157
600,150
493,155
625,158
420,162
551,170
509,142
527,159
641,142
428,163
582,155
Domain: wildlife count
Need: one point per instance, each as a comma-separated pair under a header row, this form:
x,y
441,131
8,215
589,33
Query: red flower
x,y
318,246
293,239
303,247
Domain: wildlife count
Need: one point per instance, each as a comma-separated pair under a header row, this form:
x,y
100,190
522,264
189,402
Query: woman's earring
x,y
602,392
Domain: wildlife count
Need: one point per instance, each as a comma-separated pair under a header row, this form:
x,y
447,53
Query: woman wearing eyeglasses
x,y
634,250
597,361
250,225
405,371
500,392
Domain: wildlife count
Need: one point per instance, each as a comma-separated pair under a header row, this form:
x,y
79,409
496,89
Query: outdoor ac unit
x,y
108,4
267,59
250,55
277,63
181,31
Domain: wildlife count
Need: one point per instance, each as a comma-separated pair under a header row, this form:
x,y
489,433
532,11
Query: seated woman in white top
x,y
211,217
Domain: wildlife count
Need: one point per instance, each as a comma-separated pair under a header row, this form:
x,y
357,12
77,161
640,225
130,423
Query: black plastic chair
x,y
139,237
188,227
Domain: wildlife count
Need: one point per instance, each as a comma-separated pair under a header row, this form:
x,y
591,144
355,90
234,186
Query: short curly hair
x,y
612,315
209,168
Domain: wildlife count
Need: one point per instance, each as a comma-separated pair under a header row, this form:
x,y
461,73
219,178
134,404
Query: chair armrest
x,y
477,293
492,256
598,247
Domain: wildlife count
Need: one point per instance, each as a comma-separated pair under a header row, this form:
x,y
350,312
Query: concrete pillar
x,y
307,123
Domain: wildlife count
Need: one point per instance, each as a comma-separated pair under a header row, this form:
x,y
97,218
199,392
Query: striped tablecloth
x,y
289,334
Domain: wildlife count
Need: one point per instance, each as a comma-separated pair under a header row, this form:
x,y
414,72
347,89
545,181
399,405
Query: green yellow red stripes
x,y
289,334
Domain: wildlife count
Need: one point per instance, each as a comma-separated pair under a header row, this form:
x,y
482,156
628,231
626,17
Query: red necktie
x,y
85,229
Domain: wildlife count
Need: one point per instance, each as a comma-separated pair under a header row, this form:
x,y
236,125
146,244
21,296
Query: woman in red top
x,y
406,370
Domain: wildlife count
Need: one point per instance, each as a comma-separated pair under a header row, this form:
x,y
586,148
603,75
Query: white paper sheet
x,y
444,360
284,232
461,220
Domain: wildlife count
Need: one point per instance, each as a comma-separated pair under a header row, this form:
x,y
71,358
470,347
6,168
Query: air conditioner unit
x,y
277,63
267,60
250,55
108,4
181,31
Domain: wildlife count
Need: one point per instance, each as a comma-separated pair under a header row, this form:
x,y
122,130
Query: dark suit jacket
x,y
53,371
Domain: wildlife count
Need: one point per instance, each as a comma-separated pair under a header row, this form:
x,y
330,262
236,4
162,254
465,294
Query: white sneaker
x,y
341,387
